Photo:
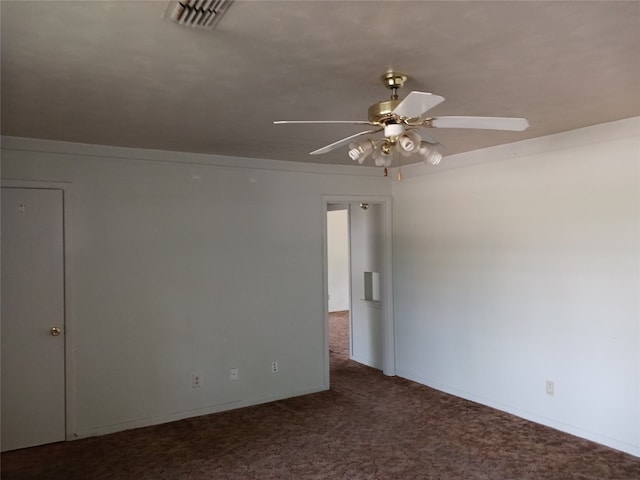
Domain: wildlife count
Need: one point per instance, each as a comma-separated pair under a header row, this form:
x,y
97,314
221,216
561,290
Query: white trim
x,y
389,360
366,361
172,417
69,318
386,283
325,295
591,135
106,152
533,417
350,282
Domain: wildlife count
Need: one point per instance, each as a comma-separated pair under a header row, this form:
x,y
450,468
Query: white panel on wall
x,y
338,259
524,270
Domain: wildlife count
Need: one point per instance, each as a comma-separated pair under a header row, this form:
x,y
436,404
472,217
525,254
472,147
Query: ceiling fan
x,y
401,120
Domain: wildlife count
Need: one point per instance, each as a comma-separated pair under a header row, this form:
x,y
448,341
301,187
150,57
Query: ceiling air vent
x,y
199,13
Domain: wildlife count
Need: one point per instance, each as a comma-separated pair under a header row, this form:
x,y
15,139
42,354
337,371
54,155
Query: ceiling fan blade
x,y
352,122
487,123
344,141
416,104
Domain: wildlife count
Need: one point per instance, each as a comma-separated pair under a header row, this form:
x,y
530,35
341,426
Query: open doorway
x,y
338,280
357,281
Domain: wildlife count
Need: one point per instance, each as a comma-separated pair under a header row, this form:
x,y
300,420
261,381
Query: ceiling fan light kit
x,y
361,150
400,120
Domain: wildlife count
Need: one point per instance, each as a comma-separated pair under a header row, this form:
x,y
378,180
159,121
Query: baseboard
x,y
548,422
172,417
367,361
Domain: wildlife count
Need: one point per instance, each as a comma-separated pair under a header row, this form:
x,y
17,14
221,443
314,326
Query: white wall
x,y
506,274
338,259
526,269
185,263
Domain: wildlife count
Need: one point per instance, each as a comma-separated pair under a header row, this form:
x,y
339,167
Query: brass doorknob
x,y
55,331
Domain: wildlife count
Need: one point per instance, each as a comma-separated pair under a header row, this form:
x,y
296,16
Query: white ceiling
x,y
117,73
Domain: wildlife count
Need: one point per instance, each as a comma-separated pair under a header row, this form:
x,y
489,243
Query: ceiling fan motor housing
x,y
382,112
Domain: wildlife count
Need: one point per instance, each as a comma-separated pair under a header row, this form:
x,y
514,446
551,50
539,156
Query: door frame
x,y
69,324
386,282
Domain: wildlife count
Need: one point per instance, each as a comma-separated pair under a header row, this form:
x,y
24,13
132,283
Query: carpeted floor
x,y
367,426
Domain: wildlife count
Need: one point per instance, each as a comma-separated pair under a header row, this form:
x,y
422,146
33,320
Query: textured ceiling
x,y
118,73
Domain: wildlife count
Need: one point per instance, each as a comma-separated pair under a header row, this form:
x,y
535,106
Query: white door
x,y
367,262
33,373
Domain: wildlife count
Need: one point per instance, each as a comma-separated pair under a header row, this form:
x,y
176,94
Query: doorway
x,y
370,297
33,317
339,280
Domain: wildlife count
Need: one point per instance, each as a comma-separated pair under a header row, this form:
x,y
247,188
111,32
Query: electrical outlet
x,y
274,367
549,387
196,379
234,374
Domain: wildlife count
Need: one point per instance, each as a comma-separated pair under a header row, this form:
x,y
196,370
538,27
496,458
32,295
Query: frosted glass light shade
x,y
360,150
379,158
430,153
409,141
